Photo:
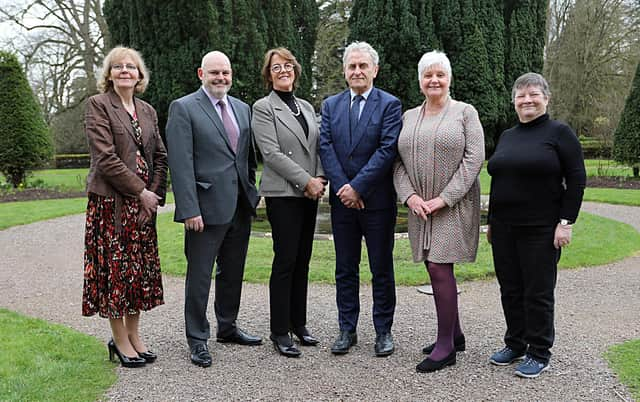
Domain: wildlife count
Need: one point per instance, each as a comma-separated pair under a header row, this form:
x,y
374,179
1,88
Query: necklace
x,y
297,112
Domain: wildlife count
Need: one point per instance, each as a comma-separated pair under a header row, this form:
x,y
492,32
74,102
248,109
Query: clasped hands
x,y
315,188
148,205
349,197
422,208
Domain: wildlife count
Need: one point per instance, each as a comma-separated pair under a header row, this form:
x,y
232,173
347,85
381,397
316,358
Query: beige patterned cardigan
x,y
441,156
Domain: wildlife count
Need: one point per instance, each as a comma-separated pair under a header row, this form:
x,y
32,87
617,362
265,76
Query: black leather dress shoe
x,y
241,338
200,355
428,365
459,344
344,342
384,344
284,345
306,339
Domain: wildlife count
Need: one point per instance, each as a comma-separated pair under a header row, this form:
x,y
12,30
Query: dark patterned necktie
x,y
229,127
354,113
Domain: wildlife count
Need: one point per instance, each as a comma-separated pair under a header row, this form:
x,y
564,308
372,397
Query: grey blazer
x,y
290,159
205,172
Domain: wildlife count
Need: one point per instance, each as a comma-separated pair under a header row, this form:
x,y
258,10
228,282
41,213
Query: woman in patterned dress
x,y
441,150
125,185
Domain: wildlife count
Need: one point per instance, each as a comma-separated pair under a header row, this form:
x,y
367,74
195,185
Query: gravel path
x,y
41,276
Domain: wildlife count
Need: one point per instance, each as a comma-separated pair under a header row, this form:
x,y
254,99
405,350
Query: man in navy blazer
x,y
213,174
358,145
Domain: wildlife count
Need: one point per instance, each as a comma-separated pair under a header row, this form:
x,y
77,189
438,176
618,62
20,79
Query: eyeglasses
x,y
276,68
120,67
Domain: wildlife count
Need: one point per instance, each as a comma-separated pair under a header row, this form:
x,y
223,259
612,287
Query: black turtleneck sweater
x,y
537,174
288,98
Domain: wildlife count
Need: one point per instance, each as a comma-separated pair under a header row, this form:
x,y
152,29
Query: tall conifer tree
x,y
391,28
172,39
626,146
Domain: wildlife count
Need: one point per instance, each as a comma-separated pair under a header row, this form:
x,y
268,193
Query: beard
x,y
216,91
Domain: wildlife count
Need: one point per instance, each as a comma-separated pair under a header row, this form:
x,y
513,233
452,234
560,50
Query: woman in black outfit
x,y
537,182
292,181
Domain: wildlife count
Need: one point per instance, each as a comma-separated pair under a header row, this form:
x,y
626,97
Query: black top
x,y
289,99
537,174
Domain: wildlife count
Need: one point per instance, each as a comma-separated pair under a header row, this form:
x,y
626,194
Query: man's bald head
x,y
216,74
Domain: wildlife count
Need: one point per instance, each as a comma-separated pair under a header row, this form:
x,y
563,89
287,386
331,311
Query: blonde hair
x,y
119,53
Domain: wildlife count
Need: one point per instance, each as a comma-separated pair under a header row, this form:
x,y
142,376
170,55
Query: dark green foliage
x,y
172,38
392,29
525,25
306,17
25,142
626,146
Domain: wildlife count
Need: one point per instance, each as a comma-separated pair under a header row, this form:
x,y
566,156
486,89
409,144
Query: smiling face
x,y
281,79
530,103
359,71
216,74
124,74
434,82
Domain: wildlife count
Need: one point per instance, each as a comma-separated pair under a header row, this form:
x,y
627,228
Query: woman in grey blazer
x,y
292,181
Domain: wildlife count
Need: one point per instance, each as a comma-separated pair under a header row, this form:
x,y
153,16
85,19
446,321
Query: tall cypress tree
x,y
391,28
306,17
626,145
25,142
171,37
490,18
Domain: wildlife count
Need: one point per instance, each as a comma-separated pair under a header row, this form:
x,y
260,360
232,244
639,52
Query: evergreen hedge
x,y
25,142
626,144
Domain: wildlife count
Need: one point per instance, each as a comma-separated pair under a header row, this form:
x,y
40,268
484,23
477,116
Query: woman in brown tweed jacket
x,y
441,150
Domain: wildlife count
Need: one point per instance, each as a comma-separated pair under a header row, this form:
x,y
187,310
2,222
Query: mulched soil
x,y
614,182
30,194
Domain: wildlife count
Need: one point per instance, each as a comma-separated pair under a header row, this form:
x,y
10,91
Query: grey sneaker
x,y
505,357
531,368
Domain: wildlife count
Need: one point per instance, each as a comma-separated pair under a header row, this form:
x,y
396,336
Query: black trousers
x,y
526,264
293,221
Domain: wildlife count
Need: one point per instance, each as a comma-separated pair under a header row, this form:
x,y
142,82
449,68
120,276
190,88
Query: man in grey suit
x,y
213,165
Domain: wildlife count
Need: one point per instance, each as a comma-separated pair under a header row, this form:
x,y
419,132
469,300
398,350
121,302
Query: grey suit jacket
x,y
290,159
205,172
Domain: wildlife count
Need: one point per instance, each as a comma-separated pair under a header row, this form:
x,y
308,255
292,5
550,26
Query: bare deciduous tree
x,y
591,54
61,43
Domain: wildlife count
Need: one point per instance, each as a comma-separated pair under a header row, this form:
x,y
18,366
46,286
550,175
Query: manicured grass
x,y
43,361
59,179
613,196
590,233
23,212
624,359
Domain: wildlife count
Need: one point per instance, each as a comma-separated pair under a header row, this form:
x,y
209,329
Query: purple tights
x,y
445,295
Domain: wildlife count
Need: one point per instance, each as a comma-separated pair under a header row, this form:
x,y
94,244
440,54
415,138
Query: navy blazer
x,y
205,172
365,159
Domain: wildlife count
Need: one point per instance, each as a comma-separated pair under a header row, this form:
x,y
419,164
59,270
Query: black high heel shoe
x,y
125,361
306,339
148,356
284,345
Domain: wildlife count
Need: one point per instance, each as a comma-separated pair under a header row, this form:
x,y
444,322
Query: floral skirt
x,y
121,269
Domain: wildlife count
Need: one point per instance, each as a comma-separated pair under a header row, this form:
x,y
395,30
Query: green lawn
x,y
590,233
23,212
624,359
43,361
59,179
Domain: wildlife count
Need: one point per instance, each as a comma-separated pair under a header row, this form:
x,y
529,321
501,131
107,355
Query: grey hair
x,y
363,47
530,80
434,58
